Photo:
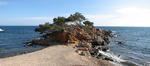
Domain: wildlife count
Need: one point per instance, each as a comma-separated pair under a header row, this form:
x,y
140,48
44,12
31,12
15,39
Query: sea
x,y
14,38
133,50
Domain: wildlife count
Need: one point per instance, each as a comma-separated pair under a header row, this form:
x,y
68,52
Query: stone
x,y
105,49
108,59
29,44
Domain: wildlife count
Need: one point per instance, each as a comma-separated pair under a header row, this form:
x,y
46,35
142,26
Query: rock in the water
x,y
105,49
119,42
109,59
29,44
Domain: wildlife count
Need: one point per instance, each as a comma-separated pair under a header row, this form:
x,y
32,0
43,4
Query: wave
x,y
115,58
114,31
1,30
114,34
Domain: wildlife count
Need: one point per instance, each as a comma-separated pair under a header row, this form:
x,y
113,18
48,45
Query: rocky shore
x,y
73,46
76,31
52,56
86,44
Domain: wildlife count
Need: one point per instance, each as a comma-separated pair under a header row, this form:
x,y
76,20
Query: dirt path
x,y
51,56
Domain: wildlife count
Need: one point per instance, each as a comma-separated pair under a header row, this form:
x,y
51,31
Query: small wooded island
x,y
76,31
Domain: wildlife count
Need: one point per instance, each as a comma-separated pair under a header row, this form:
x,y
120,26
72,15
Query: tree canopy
x,y
43,28
88,23
74,18
60,22
77,17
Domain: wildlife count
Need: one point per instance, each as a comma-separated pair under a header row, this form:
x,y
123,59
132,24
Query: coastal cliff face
x,y
74,35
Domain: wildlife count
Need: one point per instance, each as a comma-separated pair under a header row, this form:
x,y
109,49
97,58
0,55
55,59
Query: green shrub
x,y
88,23
59,28
43,28
59,23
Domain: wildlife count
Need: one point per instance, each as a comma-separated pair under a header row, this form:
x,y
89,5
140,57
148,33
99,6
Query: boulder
x,y
60,36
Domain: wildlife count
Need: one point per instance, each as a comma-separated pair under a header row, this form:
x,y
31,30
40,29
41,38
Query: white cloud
x,y
131,16
25,20
46,19
102,19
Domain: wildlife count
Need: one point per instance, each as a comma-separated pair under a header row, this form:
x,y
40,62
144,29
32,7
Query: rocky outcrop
x,y
87,40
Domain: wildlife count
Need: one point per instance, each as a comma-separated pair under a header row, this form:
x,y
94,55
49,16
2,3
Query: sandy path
x,y
51,56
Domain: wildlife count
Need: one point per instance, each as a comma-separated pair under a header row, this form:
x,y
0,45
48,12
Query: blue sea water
x,y
136,44
135,47
13,39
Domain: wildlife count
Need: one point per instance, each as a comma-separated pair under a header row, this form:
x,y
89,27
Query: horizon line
x,y
96,26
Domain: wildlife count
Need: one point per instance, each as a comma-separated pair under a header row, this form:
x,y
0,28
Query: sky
x,y
101,12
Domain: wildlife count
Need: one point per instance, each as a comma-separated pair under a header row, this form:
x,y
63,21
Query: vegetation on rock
x,y
87,38
62,32
88,23
60,23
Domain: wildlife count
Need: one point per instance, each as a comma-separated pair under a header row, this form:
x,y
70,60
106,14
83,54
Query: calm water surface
x,y
13,39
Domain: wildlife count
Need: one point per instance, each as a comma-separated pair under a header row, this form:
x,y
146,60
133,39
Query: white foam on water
x,y
114,33
1,30
115,58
